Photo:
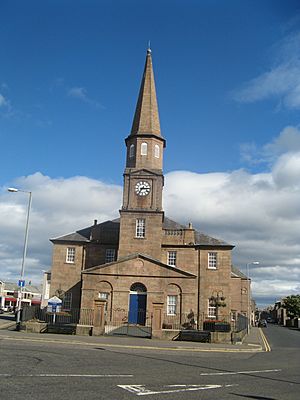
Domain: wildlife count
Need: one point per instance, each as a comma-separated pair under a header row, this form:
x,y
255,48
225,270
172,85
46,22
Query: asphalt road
x,y
45,370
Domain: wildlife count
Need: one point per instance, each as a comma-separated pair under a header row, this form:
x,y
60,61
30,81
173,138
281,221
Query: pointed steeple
x,y
146,118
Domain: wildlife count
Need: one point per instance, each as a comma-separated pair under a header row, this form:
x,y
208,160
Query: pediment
x,y
145,172
139,265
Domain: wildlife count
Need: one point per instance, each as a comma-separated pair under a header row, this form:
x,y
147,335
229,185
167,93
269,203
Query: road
x,y
37,370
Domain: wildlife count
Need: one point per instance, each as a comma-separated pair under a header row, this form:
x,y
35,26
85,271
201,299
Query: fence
x,y
190,321
74,316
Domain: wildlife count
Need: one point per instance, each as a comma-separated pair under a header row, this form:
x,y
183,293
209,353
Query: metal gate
x,y
119,323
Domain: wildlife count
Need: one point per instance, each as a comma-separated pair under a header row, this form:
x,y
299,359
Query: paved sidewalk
x,y
252,343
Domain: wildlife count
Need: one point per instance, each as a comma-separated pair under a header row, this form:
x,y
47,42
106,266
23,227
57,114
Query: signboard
x,y
21,283
54,301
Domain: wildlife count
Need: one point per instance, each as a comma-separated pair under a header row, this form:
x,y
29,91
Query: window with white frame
x,y
131,151
140,228
110,255
212,260
172,255
144,149
70,257
171,305
212,309
156,151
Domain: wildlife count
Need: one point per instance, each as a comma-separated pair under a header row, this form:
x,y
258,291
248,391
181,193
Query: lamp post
x,y
21,282
249,294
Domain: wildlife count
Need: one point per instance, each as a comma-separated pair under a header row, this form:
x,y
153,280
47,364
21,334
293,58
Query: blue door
x,y
137,308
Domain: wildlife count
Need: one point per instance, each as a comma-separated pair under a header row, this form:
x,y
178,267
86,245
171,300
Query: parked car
x,y
1,311
262,323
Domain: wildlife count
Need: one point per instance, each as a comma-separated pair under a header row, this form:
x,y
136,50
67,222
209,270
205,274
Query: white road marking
x,y
141,390
69,375
240,372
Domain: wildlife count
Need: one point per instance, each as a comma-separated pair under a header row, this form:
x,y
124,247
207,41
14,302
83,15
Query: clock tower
x,y
141,215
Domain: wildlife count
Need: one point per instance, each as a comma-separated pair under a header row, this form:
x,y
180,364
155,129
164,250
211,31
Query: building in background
x,y
9,295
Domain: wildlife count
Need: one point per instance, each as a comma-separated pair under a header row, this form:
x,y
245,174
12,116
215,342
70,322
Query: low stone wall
x,y
35,326
238,337
220,337
168,334
84,330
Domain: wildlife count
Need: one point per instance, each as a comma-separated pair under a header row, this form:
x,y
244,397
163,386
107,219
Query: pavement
x,y
254,342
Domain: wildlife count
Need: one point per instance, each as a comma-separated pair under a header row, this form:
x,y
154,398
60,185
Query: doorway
x,y
137,304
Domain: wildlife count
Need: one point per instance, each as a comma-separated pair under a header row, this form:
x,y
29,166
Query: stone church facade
x,y
144,258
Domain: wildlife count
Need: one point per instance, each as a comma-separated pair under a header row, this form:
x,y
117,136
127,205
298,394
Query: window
x,y
104,296
212,309
156,151
212,260
171,305
144,149
172,258
67,301
140,228
131,151
70,255
110,255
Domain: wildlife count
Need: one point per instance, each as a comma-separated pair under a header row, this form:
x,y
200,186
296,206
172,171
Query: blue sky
x,y
228,86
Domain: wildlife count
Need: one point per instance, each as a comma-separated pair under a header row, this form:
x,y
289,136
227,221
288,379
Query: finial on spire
x,y
149,47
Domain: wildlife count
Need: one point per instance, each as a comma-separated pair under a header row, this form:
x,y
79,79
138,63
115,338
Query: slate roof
x,y
201,238
84,235
235,272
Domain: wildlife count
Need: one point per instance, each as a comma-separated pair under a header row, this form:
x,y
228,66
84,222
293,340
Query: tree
x,y
292,305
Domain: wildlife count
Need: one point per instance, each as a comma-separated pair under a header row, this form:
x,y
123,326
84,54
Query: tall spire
x,y
146,118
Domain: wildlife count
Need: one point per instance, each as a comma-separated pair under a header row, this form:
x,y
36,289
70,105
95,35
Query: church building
x,y
143,257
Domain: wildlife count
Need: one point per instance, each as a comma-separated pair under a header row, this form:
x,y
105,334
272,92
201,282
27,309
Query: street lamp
x,y
248,292
21,282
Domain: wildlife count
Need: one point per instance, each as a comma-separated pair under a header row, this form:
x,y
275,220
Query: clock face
x,y
142,188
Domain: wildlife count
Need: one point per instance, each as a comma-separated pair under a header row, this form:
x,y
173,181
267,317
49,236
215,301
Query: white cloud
x,y
59,206
281,82
287,142
259,213
80,93
3,101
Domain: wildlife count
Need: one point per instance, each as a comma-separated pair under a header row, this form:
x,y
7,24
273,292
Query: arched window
x,y
144,149
138,287
131,151
156,151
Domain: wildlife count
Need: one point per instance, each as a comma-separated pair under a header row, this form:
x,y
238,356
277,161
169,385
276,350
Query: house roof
x,y
13,287
235,272
84,235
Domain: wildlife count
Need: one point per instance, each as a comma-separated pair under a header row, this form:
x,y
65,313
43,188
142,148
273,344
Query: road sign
x,y
21,283
54,301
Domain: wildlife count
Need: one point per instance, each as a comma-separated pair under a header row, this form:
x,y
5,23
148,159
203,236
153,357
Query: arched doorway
x,y
137,304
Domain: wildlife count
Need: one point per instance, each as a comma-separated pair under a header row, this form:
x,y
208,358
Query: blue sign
x,y
54,308
21,283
